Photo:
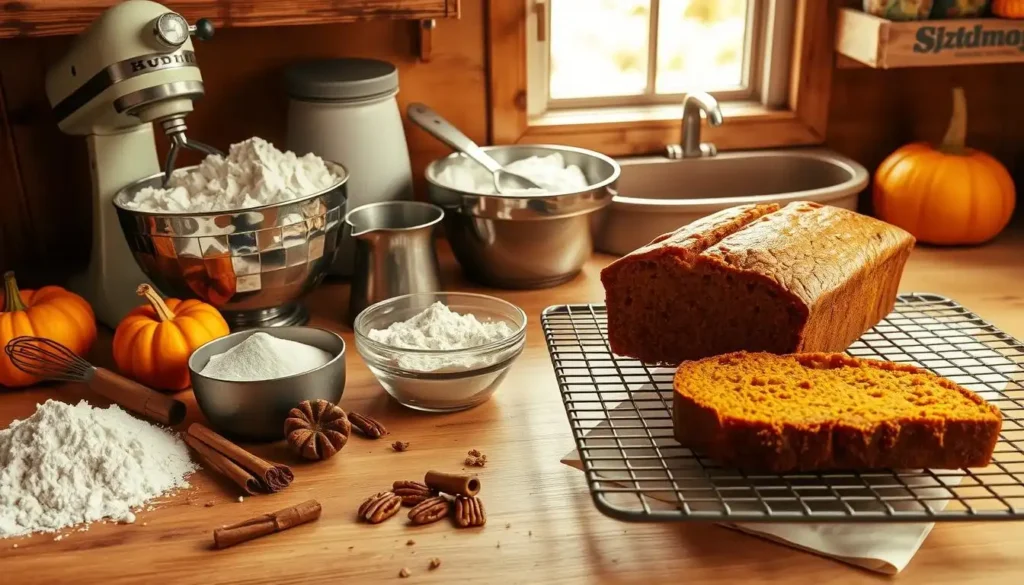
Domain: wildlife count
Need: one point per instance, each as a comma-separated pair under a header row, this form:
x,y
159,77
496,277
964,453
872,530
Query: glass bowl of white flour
x,y
440,352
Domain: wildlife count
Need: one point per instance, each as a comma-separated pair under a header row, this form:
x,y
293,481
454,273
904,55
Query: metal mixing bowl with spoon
x,y
253,264
256,410
525,241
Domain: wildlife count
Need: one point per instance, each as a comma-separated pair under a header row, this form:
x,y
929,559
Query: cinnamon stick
x,y
251,473
279,521
453,483
212,459
136,397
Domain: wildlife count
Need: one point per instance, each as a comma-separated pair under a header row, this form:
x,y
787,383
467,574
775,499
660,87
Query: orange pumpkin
x,y
1008,8
152,343
949,194
49,312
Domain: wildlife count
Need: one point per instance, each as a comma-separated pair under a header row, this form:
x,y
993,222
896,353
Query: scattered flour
x,y
66,465
438,328
550,172
254,173
264,357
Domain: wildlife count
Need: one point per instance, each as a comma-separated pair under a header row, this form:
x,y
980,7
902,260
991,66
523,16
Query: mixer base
x,y
283,316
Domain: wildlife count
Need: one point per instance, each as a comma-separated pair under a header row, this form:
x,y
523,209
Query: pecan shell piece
x,y
379,507
469,512
317,430
430,510
366,426
412,492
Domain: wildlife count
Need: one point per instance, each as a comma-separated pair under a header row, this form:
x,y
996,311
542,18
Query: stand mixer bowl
x,y
253,264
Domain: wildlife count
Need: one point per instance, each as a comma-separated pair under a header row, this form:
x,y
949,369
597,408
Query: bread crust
x,y
819,276
900,440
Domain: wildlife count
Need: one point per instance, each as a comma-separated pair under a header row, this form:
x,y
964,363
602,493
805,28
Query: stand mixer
x,y
133,67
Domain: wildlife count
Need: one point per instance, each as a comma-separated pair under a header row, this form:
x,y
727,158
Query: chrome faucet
x,y
691,146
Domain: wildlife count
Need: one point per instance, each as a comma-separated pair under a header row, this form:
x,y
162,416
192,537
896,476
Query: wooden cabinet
x,y
39,18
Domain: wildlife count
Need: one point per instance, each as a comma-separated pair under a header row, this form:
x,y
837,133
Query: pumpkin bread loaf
x,y
820,411
804,277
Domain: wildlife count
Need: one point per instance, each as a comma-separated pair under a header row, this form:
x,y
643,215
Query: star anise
x,y
317,430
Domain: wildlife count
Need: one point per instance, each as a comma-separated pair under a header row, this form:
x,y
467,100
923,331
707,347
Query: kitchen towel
x,y
885,548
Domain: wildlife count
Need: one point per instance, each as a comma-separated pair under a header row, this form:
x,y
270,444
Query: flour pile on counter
x,y
438,328
66,465
550,172
264,357
254,173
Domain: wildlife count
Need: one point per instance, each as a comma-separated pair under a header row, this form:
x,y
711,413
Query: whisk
x,y
49,360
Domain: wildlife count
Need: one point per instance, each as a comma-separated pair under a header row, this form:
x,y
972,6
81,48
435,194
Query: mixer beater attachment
x,y
175,129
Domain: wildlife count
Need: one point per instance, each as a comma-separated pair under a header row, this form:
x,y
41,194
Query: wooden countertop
x,y
542,526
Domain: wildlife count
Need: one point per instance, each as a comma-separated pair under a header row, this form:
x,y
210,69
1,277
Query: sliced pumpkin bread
x,y
820,411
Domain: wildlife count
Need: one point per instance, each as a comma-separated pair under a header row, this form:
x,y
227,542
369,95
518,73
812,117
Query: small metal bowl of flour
x,y
440,352
246,383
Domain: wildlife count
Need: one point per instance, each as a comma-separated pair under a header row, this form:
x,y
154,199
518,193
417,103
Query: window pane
x,y
598,47
700,45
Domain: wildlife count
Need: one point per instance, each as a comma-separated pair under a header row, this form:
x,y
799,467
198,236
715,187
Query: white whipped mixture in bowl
x,y
550,172
253,174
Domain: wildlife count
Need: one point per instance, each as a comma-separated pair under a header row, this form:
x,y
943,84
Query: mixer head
x,y
134,65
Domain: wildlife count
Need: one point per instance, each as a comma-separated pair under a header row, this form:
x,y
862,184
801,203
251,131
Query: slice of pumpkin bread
x,y
818,411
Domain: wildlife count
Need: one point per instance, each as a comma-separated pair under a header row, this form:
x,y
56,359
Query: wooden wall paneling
x,y
13,214
873,112
34,18
53,169
243,70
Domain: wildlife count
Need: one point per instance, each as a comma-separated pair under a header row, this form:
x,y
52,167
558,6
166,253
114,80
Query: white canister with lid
x,y
344,110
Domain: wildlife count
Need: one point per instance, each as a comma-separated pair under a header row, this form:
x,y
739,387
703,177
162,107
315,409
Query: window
x,y
599,53
611,75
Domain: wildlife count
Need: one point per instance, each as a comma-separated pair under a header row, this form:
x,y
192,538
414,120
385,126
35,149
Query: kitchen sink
x,y
657,195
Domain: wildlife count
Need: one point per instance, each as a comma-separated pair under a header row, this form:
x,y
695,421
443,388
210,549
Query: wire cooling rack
x,y
620,412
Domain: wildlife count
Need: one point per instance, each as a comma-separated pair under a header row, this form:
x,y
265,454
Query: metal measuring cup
x,y
394,251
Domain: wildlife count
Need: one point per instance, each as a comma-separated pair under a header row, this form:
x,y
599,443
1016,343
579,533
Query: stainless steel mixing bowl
x,y
255,411
528,241
254,265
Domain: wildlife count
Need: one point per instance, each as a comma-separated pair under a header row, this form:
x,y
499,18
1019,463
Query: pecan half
x,y
469,512
412,492
317,430
430,510
366,426
379,507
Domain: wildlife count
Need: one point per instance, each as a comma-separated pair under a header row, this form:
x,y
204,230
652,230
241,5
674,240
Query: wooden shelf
x,y
885,44
39,18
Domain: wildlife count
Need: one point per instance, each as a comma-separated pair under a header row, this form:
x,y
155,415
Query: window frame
x,y
538,63
648,129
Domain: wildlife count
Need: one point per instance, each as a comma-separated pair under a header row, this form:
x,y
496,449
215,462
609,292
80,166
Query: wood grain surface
x,y
542,526
39,18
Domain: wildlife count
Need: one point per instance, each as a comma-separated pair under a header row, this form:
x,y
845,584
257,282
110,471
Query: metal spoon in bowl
x,y
504,181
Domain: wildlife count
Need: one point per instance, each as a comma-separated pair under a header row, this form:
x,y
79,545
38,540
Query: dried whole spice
x,y
400,446
476,458
317,430
366,426
412,492
434,563
404,573
469,512
379,507
430,510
